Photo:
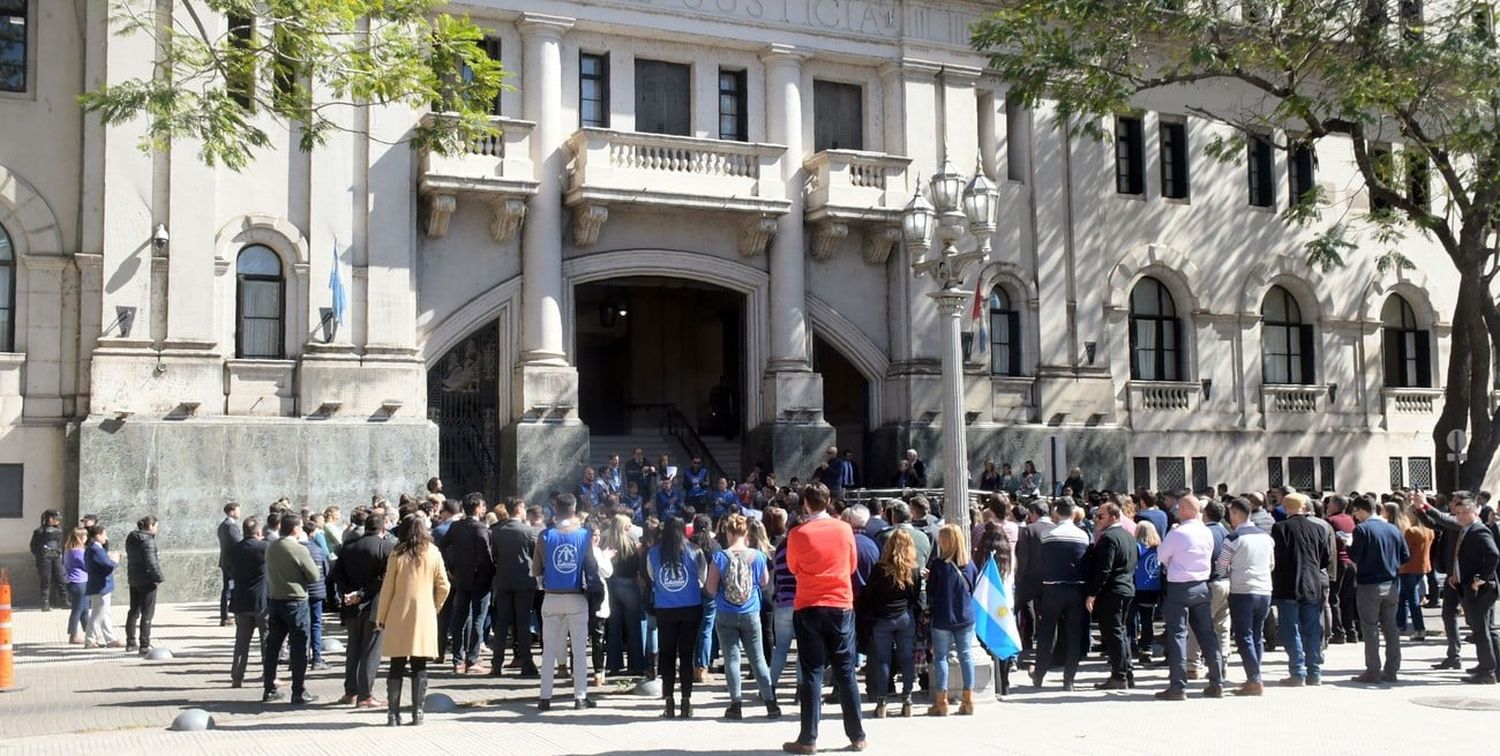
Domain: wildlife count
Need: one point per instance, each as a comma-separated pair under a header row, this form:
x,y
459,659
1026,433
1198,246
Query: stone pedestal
x,y
183,472
129,377
791,449
541,457
1071,395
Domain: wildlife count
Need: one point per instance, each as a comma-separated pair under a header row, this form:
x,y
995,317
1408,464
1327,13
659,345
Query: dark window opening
x,y
14,41
663,97
1302,167
1129,156
1155,333
1287,343
593,90
1174,160
1262,167
1408,350
733,119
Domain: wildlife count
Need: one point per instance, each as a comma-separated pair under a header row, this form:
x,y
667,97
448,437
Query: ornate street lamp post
x,y
959,210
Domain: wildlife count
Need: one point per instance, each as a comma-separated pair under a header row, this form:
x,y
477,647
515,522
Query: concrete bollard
x,y
333,646
159,654
439,703
192,720
648,688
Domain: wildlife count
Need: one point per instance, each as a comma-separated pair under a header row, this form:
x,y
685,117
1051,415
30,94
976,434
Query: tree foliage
x,y
227,71
1377,72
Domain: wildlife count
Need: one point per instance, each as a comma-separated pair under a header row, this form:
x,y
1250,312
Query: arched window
x,y
1286,342
260,331
1155,333
1005,335
7,294
1408,360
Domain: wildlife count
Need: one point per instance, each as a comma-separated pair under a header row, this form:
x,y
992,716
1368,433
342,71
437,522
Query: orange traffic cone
x,y
7,649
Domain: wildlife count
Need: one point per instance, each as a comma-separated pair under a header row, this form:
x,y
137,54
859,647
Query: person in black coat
x,y
317,595
1110,588
143,571
472,567
229,534
357,576
514,590
46,547
1475,563
1445,551
247,601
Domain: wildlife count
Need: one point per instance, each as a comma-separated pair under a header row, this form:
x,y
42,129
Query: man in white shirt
x,y
1187,554
1248,556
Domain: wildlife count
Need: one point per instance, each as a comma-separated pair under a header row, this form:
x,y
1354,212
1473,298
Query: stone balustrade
x,y
495,168
1165,396
847,187
1294,400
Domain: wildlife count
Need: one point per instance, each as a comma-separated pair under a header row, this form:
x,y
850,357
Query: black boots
x,y
393,701
418,697
671,711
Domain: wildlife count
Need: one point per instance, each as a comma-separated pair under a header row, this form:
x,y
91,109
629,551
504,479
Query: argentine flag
x,y
994,623
336,285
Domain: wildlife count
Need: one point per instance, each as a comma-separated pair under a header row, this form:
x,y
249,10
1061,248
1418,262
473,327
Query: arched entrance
x,y
846,400
463,391
649,345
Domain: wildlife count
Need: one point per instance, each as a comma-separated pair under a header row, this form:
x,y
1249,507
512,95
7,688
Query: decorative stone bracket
x,y
440,209
755,236
506,216
587,220
827,235
879,243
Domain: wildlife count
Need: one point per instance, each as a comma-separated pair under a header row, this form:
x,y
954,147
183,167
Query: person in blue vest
x,y
590,490
565,563
610,477
675,575
633,500
725,502
668,499
695,485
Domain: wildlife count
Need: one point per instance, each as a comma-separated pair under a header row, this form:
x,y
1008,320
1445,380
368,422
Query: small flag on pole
x,y
336,285
995,624
977,315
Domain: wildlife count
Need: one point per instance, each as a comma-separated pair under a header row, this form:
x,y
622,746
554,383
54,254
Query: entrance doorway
x,y
463,393
846,402
645,344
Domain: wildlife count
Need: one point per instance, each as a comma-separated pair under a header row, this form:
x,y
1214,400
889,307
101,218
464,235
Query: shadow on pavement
x,y
284,726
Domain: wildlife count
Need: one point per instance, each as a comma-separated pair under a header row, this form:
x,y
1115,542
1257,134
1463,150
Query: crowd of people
x,y
77,572
647,570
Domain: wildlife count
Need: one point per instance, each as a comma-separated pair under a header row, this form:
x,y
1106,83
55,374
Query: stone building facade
x,y
688,228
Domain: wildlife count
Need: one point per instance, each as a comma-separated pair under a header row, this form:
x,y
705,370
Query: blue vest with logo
x,y
675,585
563,554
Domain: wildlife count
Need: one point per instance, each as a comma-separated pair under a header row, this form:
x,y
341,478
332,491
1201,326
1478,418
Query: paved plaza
x,y
71,701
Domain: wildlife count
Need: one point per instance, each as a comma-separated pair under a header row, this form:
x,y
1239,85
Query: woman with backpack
x,y
950,589
736,576
1148,588
675,572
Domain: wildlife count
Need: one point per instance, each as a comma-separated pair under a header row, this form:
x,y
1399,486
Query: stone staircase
x,y
726,451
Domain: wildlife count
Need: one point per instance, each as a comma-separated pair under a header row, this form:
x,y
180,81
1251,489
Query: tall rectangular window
x,y
1301,169
1418,177
1274,476
1397,467
1385,172
663,97
1017,138
1200,474
241,64
1261,163
1130,166
11,479
838,116
733,120
1325,474
491,46
593,90
1174,160
1301,473
1171,474
13,45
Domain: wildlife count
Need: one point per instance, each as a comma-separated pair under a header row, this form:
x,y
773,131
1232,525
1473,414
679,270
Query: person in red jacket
x,y
821,554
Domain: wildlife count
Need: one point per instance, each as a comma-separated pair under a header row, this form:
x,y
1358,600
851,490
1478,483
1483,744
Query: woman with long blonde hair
x,y
950,588
626,630
1148,588
889,605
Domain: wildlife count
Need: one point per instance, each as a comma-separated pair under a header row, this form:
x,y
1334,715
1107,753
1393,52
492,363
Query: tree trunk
x,y
1466,399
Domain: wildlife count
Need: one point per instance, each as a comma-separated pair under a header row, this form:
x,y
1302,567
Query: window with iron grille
x,y
1325,474
1174,159
1140,472
1130,164
1171,473
14,39
1274,476
838,116
1398,473
1420,472
1300,473
1200,474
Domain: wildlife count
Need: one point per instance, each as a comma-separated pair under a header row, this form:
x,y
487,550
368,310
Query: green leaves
x,y
231,73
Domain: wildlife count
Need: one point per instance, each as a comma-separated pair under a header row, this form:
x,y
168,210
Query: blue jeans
x,y
825,638
469,607
288,622
960,638
1247,621
1185,605
707,647
900,633
626,631
315,627
783,631
1412,588
1301,626
734,630
78,608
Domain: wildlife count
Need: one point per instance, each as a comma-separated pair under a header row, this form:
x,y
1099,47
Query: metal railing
x,y
673,422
